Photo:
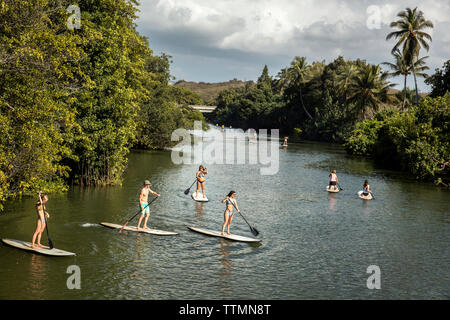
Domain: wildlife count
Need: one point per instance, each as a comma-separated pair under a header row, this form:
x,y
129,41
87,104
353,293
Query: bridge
x,y
203,109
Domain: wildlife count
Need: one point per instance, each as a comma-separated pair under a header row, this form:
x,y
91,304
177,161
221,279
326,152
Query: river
x,y
315,245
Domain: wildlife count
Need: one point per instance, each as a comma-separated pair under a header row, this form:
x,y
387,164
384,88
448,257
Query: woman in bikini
x,y
200,175
228,214
41,220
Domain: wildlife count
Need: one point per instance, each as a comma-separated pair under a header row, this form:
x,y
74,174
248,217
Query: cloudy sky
x,y
218,40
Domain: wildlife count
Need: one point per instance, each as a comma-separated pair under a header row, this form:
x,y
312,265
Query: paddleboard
x,y
218,234
369,197
332,190
131,228
45,250
199,197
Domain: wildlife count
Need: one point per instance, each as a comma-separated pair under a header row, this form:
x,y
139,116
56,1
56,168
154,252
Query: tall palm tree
x,y
369,89
345,78
411,35
295,76
403,67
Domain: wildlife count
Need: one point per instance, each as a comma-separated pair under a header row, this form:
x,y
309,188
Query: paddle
x,y
136,215
252,229
373,197
50,243
340,186
187,190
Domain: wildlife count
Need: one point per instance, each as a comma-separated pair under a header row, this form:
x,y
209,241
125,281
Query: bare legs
x,y
227,222
202,184
145,221
37,234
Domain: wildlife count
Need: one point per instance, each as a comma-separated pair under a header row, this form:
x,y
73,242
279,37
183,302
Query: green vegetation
x,y
417,141
209,91
323,100
440,81
73,102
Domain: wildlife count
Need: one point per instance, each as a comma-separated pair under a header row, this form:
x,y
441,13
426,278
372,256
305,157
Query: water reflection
x,y
199,206
225,273
332,201
38,276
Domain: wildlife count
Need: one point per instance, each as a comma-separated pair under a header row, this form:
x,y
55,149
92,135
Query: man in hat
x,y
143,203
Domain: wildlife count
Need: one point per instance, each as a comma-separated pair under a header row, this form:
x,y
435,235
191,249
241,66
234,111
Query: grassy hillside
x,y
209,91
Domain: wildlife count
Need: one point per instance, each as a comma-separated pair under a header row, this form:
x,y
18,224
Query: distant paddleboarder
x,y
285,142
41,216
143,203
200,175
366,189
228,214
333,180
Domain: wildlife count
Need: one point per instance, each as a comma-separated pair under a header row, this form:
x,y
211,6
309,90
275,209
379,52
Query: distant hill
x,y
394,91
209,91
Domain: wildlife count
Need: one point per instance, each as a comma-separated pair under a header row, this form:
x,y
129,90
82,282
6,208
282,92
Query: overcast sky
x,y
218,40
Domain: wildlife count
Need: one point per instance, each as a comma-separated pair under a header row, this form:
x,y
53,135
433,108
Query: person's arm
x,y
224,200
154,193
235,203
205,171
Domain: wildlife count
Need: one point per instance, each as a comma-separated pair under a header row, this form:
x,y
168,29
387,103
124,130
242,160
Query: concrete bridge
x,y
204,109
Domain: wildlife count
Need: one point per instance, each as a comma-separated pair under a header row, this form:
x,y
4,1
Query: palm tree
x,y
412,36
402,67
369,88
344,79
408,96
295,76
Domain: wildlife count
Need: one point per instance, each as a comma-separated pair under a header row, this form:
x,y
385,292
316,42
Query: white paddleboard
x,y
130,228
332,190
199,197
45,250
219,234
369,197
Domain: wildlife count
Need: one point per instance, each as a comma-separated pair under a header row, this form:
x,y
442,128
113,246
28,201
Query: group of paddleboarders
x,y
230,204
334,181
229,199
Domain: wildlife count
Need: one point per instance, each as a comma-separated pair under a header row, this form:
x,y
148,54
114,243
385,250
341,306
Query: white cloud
x,y
318,29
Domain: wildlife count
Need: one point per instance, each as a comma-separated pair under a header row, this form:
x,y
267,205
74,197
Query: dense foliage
x,y
73,102
324,101
440,81
417,141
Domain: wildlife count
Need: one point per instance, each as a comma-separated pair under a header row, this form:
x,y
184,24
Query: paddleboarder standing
x,y
143,203
200,175
333,180
230,201
42,215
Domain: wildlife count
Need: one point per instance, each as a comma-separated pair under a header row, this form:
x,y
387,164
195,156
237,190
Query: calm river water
x,y
315,245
